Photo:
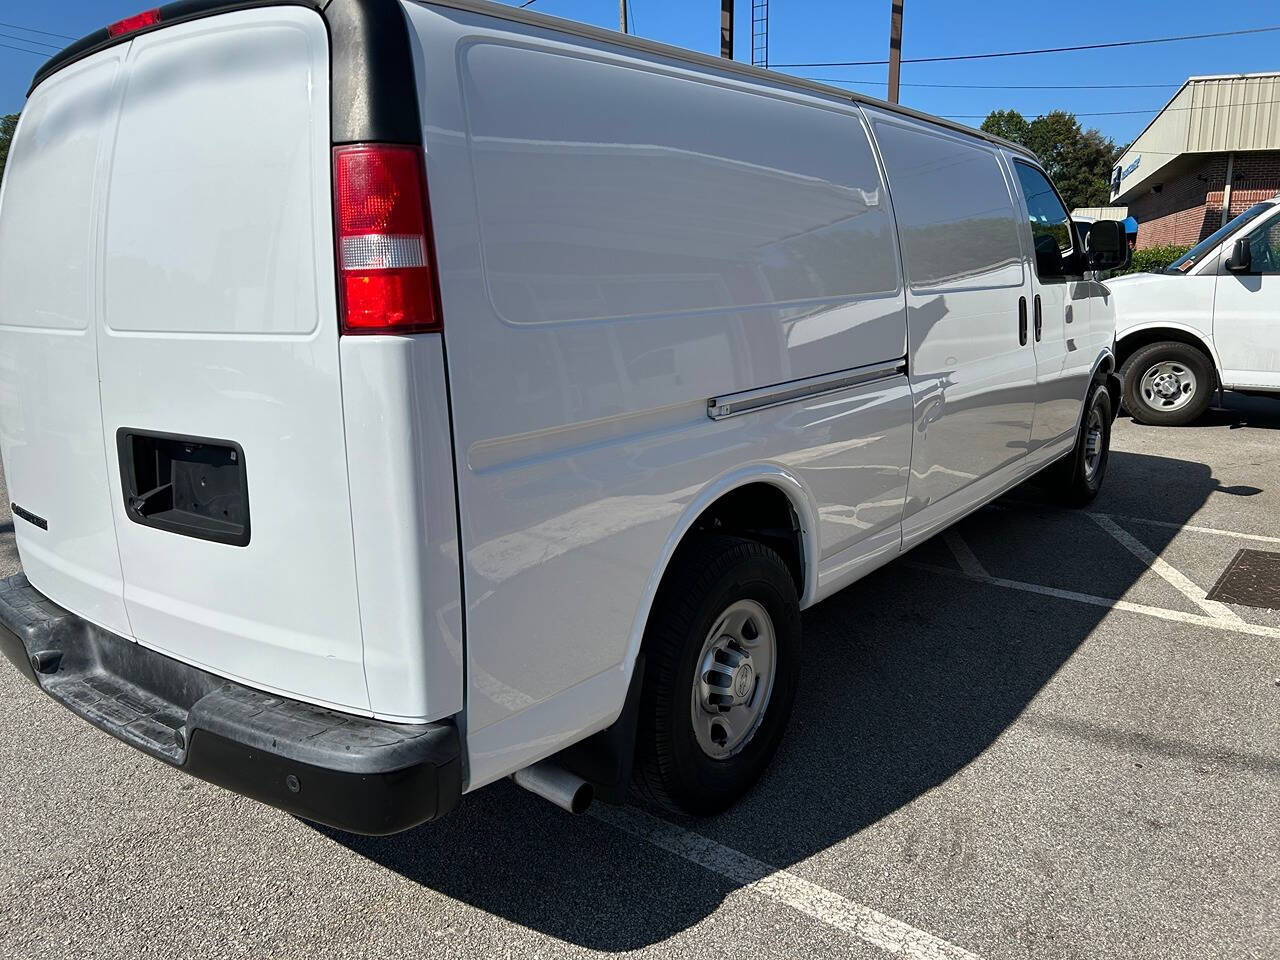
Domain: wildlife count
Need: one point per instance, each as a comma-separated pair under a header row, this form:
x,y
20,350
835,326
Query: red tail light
x,y
148,18
386,268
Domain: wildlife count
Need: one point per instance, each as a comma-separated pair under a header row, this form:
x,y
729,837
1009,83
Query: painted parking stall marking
x,y
784,887
1174,616
1158,565
964,554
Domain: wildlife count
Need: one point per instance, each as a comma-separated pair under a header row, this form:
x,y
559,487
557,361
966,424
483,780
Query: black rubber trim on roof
x,y
170,13
373,95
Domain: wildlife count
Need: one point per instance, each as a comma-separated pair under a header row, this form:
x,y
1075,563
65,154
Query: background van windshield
x,y
1207,245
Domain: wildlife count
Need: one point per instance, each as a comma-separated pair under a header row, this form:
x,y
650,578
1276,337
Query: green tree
x,y
1079,161
1009,124
6,135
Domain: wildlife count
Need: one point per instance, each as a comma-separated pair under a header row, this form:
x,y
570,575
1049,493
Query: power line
x,y
28,40
1122,113
526,3
39,53
1010,86
1030,53
47,33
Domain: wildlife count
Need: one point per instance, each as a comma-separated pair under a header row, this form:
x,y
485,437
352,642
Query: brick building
x,y
1212,152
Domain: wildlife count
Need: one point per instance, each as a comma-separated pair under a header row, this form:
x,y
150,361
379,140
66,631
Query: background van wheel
x,y
722,653
1167,384
1078,477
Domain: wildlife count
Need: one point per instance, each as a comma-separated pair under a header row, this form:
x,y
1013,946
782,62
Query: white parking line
x,y
1174,616
1008,502
1257,537
782,886
967,559
1178,580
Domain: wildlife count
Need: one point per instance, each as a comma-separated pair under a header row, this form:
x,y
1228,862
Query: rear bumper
x,y
350,772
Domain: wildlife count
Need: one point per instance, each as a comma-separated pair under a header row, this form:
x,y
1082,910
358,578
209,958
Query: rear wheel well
x,y
761,512
1134,342
757,511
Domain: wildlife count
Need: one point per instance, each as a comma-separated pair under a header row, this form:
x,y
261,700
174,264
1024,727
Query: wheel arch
x,y
768,482
1104,365
1104,371
1135,338
605,757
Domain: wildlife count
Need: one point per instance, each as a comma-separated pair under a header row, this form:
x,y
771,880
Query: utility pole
x,y
895,49
726,29
622,15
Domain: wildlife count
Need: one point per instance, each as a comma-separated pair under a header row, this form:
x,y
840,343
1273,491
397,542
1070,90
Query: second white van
x,y
396,396
1208,321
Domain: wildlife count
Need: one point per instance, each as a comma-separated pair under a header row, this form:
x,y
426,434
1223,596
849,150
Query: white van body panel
x,y
1146,300
55,457
587,327
1245,312
1246,307
396,410
620,546
974,384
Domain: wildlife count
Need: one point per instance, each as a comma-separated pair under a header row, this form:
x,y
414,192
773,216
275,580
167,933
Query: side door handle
x,y
1022,321
1039,319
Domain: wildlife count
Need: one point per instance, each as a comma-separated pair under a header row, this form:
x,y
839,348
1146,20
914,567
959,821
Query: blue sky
x,y
816,30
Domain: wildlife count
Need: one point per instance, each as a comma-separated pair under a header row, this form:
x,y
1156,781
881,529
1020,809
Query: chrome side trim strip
x,y
733,404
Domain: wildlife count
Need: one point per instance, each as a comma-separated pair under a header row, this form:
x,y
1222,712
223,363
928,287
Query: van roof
x,y
192,9
524,15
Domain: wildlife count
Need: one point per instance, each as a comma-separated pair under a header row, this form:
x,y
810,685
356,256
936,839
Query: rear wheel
x,y
721,666
1167,384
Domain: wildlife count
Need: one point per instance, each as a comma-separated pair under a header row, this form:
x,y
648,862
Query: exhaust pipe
x,y
553,782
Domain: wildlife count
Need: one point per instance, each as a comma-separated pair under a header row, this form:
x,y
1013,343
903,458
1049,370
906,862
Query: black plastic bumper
x,y
350,772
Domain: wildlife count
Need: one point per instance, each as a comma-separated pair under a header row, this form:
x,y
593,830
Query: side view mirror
x,y
1106,247
1241,259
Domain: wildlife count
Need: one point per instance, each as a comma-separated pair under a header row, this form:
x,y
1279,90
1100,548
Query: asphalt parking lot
x,y
1030,738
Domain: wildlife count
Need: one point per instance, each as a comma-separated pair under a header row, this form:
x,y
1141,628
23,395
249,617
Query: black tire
x,y
709,575
1077,478
1159,412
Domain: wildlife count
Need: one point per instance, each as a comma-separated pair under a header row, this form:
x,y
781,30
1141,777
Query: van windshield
x,y
1207,245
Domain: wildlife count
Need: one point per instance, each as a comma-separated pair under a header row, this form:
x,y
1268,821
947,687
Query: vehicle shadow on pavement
x,y
1244,411
909,676
1239,410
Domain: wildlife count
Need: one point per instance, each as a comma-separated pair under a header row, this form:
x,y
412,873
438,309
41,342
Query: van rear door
x,y
219,323
210,280
50,422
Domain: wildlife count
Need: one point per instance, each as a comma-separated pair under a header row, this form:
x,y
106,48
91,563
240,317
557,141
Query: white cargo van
x,y
1211,319
398,396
